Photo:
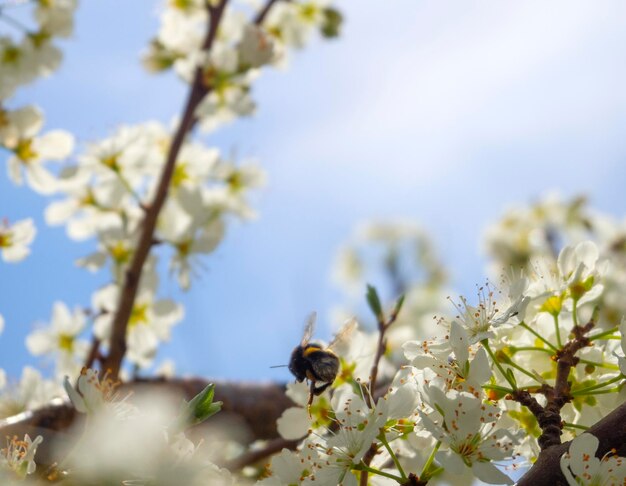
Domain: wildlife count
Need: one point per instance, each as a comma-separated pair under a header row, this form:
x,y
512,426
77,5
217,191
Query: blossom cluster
x,y
151,430
459,391
437,389
29,53
106,190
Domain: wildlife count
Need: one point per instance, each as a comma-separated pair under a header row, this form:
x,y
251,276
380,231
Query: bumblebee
x,y
310,361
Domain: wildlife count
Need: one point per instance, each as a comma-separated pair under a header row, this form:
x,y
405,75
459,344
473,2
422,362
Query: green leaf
x,y
511,375
374,302
199,408
331,24
398,306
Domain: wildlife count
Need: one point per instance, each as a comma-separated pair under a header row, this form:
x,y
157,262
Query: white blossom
x,y
92,395
15,239
30,151
19,455
580,466
60,339
31,392
150,322
493,309
467,426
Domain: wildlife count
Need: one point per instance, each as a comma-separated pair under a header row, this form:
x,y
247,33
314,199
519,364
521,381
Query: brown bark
x,y
129,290
250,408
610,431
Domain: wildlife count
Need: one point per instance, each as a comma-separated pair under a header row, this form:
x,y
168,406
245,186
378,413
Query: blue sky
x,y
443,112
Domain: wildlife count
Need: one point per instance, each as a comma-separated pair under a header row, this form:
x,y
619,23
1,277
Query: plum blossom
x,y
578,274
31,392
492,310
287,467
580,466
150,322
293,23
87,208
358,428
19,455
467,427
450,360
15,239
31,150
294,423
92,395
56,17
60,339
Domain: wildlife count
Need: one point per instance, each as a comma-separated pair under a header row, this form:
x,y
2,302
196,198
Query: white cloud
x,y
423,85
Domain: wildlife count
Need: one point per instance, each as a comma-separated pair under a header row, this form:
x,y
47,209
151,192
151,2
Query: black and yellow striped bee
x,y
311,361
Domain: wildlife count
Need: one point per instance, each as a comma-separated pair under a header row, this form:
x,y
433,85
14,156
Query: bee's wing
x,y
347,329
308,329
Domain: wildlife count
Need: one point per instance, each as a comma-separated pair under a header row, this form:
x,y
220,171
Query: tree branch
x,y
132,278
549,416
188,121
610,431
253,407
260,17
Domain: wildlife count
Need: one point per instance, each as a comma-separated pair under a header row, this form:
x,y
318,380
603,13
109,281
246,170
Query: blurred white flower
x,y
92,396
30,393
14,239
294,423
88,207
578,273
60,339
56,17
150,322
19,455
256,47
30,151
14,122
293,23
221,108
190,236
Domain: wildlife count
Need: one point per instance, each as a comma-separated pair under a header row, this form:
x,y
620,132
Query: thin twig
x,y
549,416
260,17
383,326
381,347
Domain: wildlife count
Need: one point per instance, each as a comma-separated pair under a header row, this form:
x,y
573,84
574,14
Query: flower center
x,y
139,315
66,342
11,55
120,253
5,240
180,174
24,150
112,162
